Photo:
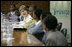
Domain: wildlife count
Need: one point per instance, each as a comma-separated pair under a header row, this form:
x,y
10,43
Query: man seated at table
x,y
31,9
37,29
43,15
54,37
11,15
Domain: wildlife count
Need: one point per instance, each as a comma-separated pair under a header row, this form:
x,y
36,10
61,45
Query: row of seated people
x,y
41,24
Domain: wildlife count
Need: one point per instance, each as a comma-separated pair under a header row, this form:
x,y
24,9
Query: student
x,y
43,15
37,29
54,37
31,9
11,15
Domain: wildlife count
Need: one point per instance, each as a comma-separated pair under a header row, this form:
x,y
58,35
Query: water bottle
x,y
9,41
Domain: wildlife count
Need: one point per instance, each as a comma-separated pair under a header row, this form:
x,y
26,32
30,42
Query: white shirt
x,y
37,22
20,16
27,19
12,12
44,31
22,23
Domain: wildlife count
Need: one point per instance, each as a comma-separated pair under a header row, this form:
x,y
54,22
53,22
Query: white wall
x,y
62,10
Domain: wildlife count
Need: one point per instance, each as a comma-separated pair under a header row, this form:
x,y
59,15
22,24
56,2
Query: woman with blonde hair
x,y
25,18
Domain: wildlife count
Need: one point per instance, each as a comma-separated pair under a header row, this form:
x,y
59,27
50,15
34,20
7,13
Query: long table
x,y
22,40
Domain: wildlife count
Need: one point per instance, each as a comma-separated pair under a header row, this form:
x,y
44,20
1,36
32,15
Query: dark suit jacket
x,y
55,38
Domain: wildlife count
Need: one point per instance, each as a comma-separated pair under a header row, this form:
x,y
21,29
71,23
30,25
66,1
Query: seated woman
x,y
31,8
25,16
54,37
21,8
32,21
37,29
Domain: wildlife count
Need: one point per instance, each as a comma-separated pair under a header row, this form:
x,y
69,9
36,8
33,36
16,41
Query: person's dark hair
x,y
50,22
38,13
13,5
27,6
33,6
17,12
45,13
